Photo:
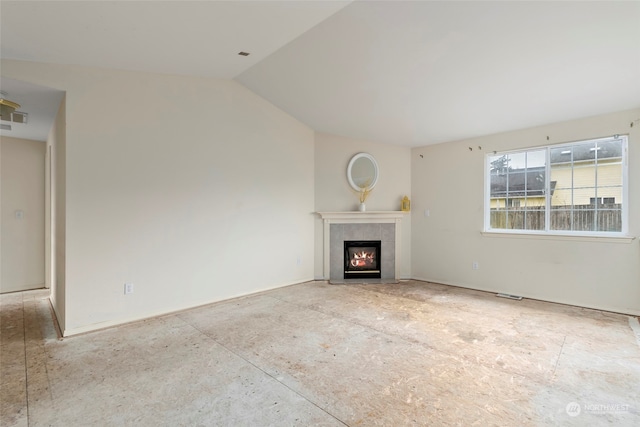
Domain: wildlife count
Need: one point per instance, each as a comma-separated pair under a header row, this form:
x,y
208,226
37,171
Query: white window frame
x,y
547,231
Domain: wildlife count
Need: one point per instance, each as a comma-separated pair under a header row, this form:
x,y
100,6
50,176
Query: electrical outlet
x,y
427,212
128,288
475,265
299,261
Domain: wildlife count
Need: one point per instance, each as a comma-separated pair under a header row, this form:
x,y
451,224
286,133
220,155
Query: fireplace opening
x,y
362,259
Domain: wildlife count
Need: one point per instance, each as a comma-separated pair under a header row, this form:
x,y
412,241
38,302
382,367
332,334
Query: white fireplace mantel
x,y
357,217
362,217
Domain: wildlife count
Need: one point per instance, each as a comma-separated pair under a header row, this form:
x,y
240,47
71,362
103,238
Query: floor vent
x,y
515,297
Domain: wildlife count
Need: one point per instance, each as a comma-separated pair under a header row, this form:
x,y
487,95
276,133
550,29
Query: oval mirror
x,y
362,172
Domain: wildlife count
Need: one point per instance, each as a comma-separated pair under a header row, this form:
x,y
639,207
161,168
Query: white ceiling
x,y
407,73
199,38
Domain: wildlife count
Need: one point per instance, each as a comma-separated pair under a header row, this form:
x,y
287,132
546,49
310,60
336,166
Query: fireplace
x,y
339,227
362,259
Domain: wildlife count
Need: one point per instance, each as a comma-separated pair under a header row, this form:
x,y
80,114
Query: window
x,y
574,188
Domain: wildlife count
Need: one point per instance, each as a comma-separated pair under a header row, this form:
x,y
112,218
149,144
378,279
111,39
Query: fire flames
x,y
363,259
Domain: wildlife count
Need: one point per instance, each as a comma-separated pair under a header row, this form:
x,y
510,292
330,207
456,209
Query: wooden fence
x,y
603,217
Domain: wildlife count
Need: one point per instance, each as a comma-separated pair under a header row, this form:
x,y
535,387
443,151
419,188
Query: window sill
x,y
564,237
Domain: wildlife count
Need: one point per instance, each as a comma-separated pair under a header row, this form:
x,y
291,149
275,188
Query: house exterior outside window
x,y
574,187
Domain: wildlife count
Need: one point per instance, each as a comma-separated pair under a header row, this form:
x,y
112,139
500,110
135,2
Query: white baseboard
x,y
627,311
150,315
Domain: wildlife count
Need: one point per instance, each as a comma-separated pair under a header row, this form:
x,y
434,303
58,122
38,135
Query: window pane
x,y
536,159
515,219
583,218
610,184
535,219
517,183
561,198
584,176
498,170
560,155
561,220
498,218
611,149
583,196
584,152
516,161
609,174
561,178
586,184
516,188
609,220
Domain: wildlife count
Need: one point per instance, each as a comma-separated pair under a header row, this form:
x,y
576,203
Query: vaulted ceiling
x,y
407,73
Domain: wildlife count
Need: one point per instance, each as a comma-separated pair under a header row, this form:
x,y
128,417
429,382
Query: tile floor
x,y
405,354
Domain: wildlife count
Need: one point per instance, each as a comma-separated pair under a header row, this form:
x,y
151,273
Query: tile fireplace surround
x,y
341,226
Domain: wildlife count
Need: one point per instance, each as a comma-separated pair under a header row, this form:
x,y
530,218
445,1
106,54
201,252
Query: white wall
x,y
181,185
449,182
55,253
333,193
194,190
22,189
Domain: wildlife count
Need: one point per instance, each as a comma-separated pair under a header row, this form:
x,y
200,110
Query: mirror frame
x,y
375,169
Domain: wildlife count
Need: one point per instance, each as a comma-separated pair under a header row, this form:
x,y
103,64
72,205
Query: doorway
x,y
22,224
27,193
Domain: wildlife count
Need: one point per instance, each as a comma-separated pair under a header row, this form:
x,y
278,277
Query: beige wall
x,y
449,181
182,185
22,190
333,193
56,217
194,190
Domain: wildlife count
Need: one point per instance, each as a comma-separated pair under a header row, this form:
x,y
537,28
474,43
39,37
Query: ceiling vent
x,y
17,117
